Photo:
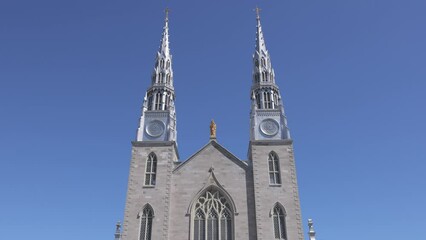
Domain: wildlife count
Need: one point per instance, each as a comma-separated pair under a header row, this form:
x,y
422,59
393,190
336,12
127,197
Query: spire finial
x,y
167,10
257,9
212,130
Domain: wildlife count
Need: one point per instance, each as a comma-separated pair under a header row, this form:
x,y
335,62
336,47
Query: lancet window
x,y
274,169
212,217
157,105
278,218
267,100
145,231
150,170
150,102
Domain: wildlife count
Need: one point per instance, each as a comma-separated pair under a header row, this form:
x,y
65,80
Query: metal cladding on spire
x,y
158,120
163,72
260,41
265,94
263,73
164,47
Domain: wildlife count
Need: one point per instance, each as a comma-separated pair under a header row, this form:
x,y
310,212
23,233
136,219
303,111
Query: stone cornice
x,y
271,142
156,144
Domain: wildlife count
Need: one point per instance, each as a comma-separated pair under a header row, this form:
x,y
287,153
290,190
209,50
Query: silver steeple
x,y
158,120
268,120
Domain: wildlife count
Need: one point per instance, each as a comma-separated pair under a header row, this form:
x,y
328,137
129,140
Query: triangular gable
x,y
221,149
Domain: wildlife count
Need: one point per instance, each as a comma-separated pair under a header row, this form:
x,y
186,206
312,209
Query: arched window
x,y
168,78
145,231
212,218
267,100
278,217
150,102
274,169
150,170
157,101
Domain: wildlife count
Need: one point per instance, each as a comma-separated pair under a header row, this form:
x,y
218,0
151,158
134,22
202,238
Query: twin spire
x,y
158,120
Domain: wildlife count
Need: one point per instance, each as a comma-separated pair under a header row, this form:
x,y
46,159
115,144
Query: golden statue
x,y
212,129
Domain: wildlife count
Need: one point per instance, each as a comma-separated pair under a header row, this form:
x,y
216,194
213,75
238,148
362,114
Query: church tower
x,y
276,196
158,120
154,154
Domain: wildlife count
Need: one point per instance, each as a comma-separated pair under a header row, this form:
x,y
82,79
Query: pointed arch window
x,y
212,218
278,218
150,102
267,100
150,170
145,231
259,104
157,101
274,169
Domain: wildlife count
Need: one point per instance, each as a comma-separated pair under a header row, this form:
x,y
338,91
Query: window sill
x,y
148,186
275,185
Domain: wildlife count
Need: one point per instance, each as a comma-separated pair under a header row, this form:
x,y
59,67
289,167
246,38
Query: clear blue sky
x,y
73,74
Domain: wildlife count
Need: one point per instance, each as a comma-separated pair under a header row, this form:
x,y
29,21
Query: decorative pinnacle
x,y
311,226
212,130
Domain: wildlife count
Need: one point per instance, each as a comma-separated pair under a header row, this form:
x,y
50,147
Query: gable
x,y
212,153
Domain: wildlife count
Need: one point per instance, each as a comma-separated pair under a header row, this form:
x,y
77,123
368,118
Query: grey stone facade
x,y
180,183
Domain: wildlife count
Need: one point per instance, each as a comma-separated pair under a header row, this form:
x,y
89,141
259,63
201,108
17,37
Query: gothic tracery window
x,y
212,218
145,231
274,169
150,170
278,218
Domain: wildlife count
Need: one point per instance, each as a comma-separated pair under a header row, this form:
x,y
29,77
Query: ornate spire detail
x,y
265,94
163,72
158,120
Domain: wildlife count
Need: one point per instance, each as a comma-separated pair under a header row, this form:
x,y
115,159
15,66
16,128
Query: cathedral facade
x,y
213,195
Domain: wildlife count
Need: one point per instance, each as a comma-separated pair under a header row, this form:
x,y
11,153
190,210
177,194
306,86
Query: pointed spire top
x,y
260,41
164,47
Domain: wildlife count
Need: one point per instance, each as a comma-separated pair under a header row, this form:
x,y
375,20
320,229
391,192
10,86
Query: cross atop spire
x,y
167,10
257,9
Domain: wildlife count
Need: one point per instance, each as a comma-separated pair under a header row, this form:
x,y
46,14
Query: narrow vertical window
x,y
278,218
145,232
274,169
157,101
150,170
258,101
150,102
267,100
